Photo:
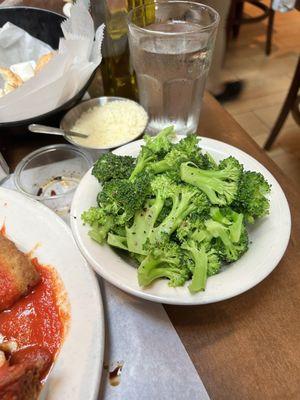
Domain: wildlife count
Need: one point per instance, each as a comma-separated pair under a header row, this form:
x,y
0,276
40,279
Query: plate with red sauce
x,y
51,315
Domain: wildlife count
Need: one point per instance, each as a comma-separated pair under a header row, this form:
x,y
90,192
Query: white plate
x,y
77,370
269,239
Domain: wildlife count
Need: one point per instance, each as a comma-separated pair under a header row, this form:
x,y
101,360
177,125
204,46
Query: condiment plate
x,y
34,228
269,239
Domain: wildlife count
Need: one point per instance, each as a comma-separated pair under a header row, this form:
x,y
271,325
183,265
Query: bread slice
x,y
43,60
11,80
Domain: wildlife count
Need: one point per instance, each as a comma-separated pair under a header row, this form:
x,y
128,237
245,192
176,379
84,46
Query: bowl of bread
x,y
45,67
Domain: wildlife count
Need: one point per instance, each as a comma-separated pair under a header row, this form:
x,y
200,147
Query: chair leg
x,y
238,16
270,31
278,125
286,108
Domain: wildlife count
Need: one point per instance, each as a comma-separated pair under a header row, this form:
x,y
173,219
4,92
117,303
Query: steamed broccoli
x,y
233,220
152,150
146,218
160,144
205,263
226,244
185,200
164,262
197,242
251,197
110,166
100,221
123,198
219,185
186,150
194,228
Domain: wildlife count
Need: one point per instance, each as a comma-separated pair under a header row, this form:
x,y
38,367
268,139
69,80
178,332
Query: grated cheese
x,y
110,125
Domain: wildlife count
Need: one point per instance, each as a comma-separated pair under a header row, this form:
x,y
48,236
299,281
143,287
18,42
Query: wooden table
x,y
246,348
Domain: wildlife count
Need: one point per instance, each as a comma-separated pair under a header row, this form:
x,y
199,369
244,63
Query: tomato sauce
x,y
8,289
36,319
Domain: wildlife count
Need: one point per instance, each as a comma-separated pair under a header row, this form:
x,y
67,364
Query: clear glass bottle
x,y
118,78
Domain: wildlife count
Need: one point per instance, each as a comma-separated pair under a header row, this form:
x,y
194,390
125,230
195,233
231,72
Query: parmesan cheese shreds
x,y
111,124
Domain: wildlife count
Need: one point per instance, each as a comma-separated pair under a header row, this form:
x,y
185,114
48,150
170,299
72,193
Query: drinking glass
x,y
171,45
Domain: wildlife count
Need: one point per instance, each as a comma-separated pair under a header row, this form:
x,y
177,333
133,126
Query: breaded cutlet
x,y
17,274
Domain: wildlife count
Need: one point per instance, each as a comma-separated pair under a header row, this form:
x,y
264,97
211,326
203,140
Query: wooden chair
x,y
291,103
237,18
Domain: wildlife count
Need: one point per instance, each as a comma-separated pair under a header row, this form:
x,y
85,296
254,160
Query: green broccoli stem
x,y
142,226
207,181
160,166
216,215
152,269
199,278
149,271
220,186
218,230
141,164
234,222
117,241
236,228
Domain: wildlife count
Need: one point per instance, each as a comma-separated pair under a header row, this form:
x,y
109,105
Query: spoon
x,y
49,130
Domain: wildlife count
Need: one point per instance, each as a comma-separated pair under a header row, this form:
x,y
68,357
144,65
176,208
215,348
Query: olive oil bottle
x,y
117,75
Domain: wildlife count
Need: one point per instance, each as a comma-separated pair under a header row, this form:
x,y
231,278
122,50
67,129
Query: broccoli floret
x,y
185,200
164,262
193,228
196,240
214,263
228,248
145,219
160,144
110,166
219,185
154,148
186,150
206,263
230,218
189,146
100,221
123,198
251,197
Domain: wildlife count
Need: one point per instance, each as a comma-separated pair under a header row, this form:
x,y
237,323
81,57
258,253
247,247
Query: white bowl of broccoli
x,y
181,221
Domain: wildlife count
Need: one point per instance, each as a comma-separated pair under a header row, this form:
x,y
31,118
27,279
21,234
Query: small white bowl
x,y
74,114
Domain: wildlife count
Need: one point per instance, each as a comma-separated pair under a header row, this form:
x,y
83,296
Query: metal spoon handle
x,y
49,130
